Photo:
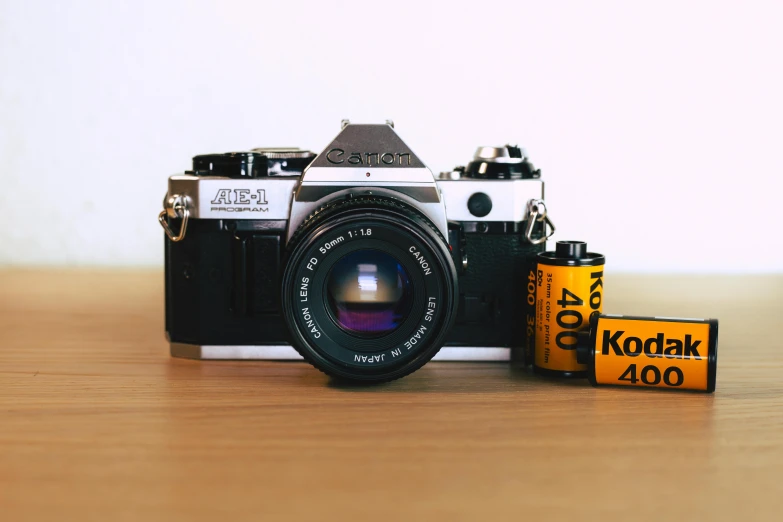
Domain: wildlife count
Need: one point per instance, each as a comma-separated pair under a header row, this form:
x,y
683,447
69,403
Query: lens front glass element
x,y
369,293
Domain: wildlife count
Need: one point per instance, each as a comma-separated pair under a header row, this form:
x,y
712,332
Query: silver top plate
x,y
509,198
228,198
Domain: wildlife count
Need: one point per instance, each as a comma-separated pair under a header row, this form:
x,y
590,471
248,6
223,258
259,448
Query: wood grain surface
x,y
97,422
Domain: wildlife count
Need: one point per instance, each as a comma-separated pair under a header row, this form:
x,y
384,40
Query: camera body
x,y
239,218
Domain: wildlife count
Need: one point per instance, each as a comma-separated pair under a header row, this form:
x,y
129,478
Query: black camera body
x,y
358,260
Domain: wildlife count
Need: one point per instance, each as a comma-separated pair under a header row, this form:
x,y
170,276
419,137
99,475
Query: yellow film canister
x,y
569,288
652,352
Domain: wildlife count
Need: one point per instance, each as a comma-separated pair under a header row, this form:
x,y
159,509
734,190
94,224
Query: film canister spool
x,y
652,352
569,288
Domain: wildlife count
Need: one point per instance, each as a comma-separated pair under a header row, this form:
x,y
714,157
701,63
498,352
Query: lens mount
x,y
369,289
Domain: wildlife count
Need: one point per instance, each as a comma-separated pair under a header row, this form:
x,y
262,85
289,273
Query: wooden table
x,y
97,422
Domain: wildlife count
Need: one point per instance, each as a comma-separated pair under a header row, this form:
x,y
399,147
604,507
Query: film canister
x,y
569,288
660,352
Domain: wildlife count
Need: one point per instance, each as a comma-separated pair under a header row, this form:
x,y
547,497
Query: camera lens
x,y
369,289
369,293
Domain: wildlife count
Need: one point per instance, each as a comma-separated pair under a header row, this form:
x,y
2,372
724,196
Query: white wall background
x,y
658,127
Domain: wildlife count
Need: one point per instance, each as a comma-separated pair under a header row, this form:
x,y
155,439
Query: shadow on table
x,y
460,377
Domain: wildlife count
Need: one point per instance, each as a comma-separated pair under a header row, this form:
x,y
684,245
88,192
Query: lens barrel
x,y
369,289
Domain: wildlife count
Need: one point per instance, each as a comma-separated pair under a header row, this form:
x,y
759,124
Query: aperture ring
x,y
369,202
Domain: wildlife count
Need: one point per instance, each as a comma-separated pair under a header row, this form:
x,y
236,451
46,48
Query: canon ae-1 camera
x,y
357,259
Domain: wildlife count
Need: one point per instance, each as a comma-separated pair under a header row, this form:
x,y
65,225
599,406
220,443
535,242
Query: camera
x,y
358,259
